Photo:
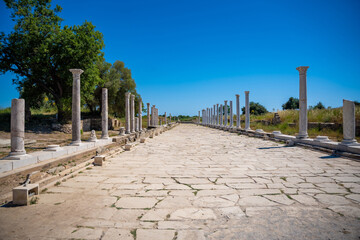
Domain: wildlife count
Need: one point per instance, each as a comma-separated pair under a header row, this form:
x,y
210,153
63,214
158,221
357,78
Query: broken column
x,y
303,124
238,124
140,115
247,111
132,113
349,126
104,114
17,128
148,114
76,110
127,112
231,115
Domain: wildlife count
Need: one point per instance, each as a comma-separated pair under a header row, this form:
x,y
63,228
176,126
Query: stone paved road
x,y
197,183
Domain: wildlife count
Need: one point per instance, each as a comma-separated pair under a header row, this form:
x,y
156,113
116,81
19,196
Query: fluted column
x,y
247,111
17,128
349,125
127,112
303,123
226,114
148,114
104,114
231,114
238,122
140,115
76,110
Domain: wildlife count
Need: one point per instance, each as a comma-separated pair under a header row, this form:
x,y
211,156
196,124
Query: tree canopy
x,y
255,108
40,52
292,103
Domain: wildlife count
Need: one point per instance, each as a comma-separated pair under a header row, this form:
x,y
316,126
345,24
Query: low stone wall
x,y
86,125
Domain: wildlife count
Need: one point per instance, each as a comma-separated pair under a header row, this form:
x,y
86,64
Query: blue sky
x,y
188,55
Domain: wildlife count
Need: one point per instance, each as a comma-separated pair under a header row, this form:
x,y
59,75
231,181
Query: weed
x,y
88,168
283,178
133,232
34,200
289,197
57,183
44,190
58,203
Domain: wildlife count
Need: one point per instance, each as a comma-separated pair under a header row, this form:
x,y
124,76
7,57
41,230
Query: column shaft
x,y
17,127
76,110
104,114
303,124
127,112
247,111
238,122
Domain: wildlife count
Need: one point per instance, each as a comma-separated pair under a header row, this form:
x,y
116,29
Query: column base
x,y
302,136
348,142
17,157
76,143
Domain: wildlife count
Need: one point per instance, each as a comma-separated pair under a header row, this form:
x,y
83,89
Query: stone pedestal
x,y
303,123
226,113
22,193
238,122
93,136
127,112
104,114
76,110
247,111
148,114
122,131
17,128
349,125
231,115
132,113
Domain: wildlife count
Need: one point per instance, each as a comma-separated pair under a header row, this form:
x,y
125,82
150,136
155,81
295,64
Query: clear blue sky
x,y
188,55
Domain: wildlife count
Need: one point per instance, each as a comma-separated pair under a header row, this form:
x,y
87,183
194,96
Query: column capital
x,y
247,92
76,71
127,94
132,97
237,95
225,101
302,69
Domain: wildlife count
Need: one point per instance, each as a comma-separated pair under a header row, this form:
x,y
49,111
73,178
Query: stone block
x,y
22,193
128,147
5,165
142,140
24,162
98,160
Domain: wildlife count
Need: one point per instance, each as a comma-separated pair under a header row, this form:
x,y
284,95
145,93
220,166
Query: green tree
x,y
292,103
40,52
118,80
255,108
319,105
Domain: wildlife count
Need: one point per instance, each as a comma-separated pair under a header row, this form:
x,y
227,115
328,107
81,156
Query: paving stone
x,y
355,197
282,199
114,233
346,210
231,212
255,201
193,213
212,202
190,234
146,234
136,202
304,199
156,215
332,199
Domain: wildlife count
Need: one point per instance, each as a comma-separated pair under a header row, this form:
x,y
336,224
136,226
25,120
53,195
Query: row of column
x,y
218,117
132,123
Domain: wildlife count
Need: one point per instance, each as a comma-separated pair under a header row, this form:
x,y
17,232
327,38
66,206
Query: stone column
x,y
76,110
221,115
238,122
303,123
226,114
247,111
217,114
136,124
127,112
231,115
153,115
165,118
17,128
349,126
170,117
140,115
211,116
148,114
132,113
199,118
104,114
